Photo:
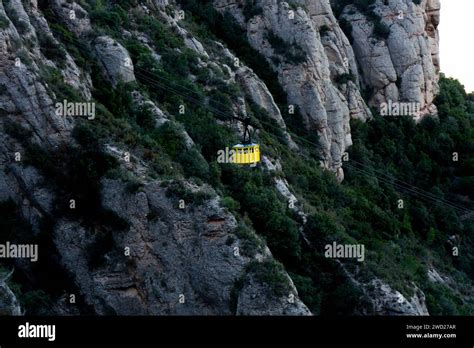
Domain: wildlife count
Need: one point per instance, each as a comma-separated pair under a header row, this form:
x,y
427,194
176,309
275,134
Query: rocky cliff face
x,y
403,65
327,70
195,257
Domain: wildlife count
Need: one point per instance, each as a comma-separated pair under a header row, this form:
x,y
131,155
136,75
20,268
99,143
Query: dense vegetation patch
x,y
291,52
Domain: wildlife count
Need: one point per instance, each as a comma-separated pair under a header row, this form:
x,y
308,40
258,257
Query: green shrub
x,y
221,102
25,57
252,9
4,23
268,213
170,137
381,30
309,294
74,172
144,118
323,227
162,36
36,302
12,226
250,243
68,39
290,51
56,83
179,63
440,300
272,274
127,4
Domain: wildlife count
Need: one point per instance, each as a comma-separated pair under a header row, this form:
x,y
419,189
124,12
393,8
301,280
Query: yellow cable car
x,y
246,153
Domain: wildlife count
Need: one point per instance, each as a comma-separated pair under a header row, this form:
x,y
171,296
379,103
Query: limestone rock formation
x,y
161,257
260,95
308,71
174,252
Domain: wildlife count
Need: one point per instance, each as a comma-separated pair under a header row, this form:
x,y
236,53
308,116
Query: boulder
x,y
115,60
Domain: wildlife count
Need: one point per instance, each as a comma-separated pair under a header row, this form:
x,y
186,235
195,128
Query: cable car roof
x,y
246,145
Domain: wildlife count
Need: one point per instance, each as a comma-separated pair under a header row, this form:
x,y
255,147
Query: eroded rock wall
x,y
322,55
404,66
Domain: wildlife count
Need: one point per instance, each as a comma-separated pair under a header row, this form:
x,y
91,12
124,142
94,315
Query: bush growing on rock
x,y
3,22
